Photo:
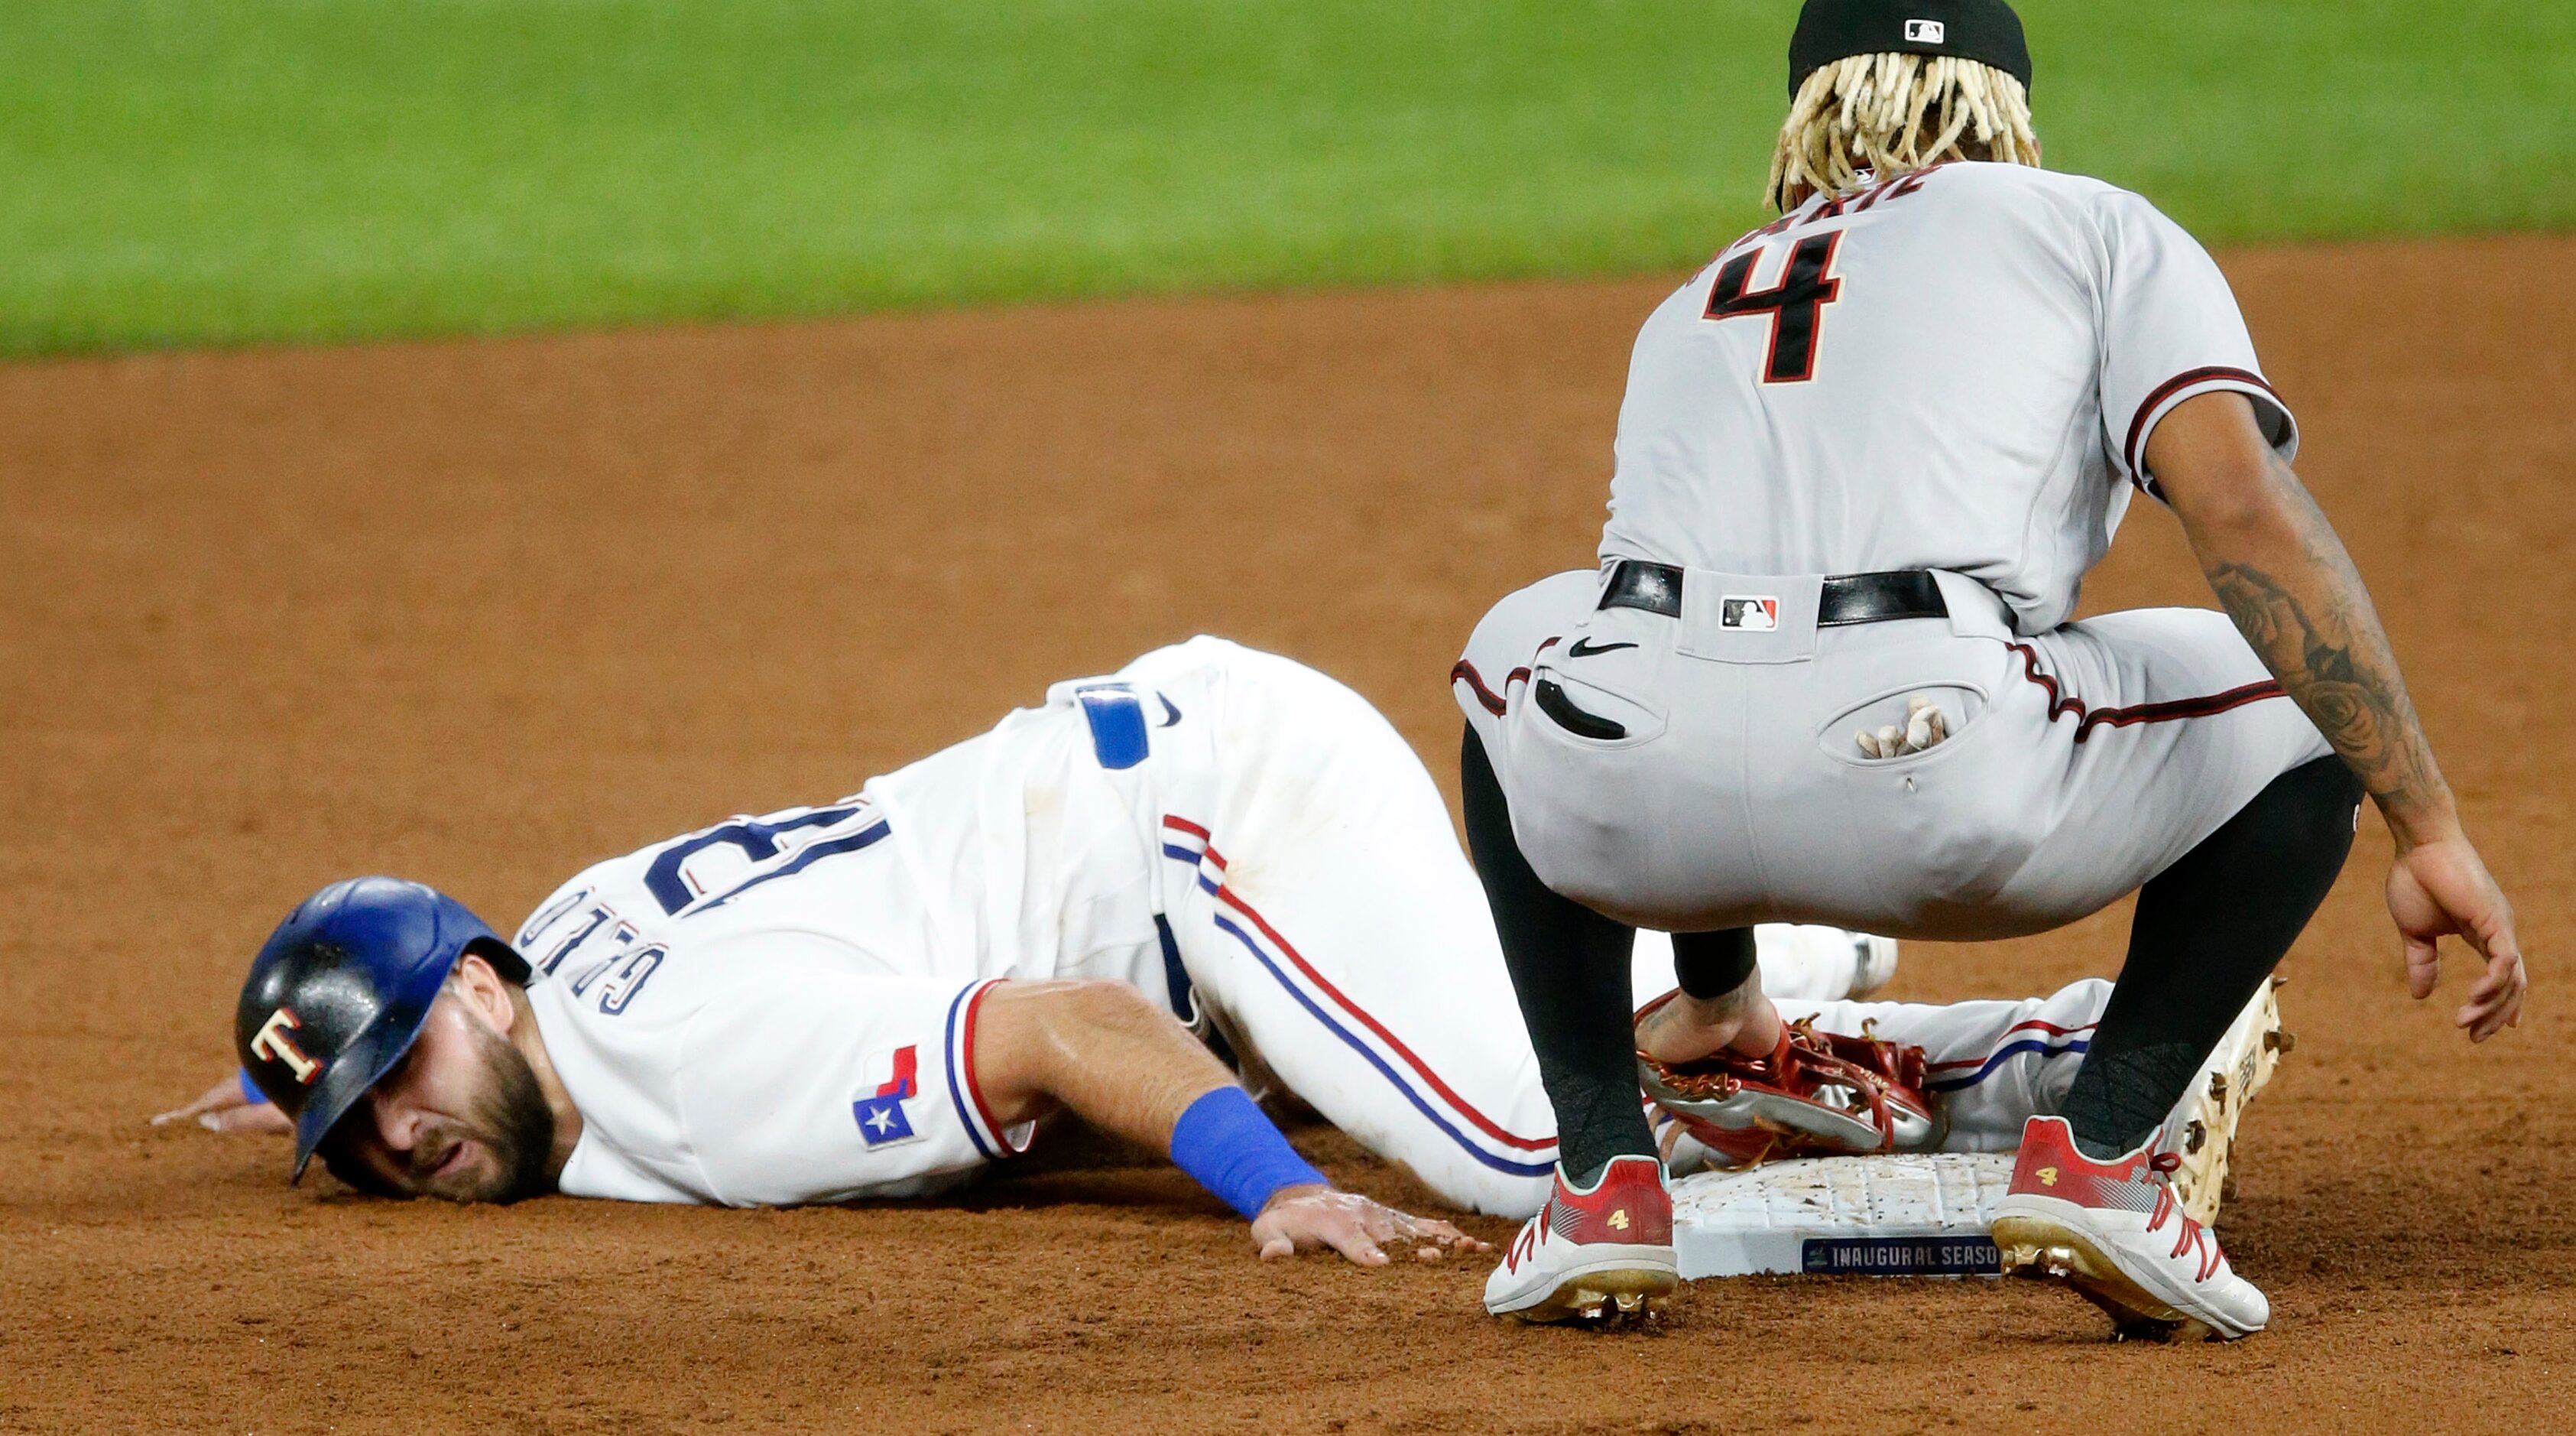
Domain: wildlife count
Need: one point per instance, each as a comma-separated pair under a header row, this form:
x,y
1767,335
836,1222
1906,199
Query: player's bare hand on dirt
x,y
1308,1218
223,1108
2441,889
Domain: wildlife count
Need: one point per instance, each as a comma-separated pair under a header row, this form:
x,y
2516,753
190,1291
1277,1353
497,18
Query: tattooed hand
x,y
2286,580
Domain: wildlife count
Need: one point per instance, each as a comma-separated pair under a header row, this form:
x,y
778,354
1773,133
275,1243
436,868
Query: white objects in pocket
x,y
1924,726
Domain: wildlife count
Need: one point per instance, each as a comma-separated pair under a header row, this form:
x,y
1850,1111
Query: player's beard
x,y
512,1121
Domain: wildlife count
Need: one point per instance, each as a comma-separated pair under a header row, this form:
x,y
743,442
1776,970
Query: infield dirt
x,y
480,613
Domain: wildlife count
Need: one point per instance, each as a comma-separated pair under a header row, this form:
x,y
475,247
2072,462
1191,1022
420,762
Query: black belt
x,y
1847,598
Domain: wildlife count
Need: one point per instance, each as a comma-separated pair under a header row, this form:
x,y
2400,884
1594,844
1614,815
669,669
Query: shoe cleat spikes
x,y
1607,1309
2064,1263
2160,1332
2020,1259
2203,1133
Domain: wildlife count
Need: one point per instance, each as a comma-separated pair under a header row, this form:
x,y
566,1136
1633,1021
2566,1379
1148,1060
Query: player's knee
x,y
2328,791
2307,815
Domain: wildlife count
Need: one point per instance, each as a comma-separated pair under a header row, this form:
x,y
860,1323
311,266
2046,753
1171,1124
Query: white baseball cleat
x,y
2117,1235
2202,1130
1607,1251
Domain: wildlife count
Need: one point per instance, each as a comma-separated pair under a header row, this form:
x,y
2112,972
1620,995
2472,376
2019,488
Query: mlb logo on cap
x,y
1752,613
1925,32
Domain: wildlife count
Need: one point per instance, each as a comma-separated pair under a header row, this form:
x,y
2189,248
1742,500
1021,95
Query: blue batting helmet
x,y
340,990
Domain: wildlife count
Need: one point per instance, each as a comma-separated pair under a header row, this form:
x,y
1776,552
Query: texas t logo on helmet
x,y
274,1042
341,988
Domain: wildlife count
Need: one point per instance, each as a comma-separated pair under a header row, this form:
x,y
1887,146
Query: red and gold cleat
x,y
1605,1252
2115,1233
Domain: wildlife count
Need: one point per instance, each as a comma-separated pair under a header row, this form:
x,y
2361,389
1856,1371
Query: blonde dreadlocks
x,y
1891,114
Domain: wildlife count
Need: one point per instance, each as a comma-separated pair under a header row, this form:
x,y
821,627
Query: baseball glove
x,y
1819,1094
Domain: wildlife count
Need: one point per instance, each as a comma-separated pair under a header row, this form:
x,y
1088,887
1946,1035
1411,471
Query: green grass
x,y
221,171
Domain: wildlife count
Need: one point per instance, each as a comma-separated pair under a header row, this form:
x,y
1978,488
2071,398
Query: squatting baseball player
x,y
1826,671
1213,867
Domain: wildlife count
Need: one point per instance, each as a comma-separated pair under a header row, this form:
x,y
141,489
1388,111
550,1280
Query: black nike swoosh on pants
x,y
1585,648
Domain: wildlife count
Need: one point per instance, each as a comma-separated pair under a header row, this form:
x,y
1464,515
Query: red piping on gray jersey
x,y
1493,701
2088,719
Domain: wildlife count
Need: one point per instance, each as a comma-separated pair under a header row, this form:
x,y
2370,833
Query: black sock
x,y
1569,968
1713,964
2208,932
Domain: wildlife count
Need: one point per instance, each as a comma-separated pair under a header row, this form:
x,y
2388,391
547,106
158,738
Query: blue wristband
x,y
1225,1143
250,1089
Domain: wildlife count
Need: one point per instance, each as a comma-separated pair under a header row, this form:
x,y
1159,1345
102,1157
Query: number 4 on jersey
x,y
1795,306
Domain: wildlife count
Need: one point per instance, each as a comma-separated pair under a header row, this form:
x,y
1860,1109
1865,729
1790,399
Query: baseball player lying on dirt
x,y
1215,858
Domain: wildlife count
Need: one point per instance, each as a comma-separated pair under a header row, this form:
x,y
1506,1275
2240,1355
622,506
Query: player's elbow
x,y
2214,508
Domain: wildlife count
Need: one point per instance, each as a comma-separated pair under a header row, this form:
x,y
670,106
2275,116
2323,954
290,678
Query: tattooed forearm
x,y
2295,595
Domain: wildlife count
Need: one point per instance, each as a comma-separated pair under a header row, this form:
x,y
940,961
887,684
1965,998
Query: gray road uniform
x,y
1953,372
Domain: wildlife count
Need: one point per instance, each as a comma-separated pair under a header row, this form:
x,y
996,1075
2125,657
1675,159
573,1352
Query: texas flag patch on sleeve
x,y
881,1116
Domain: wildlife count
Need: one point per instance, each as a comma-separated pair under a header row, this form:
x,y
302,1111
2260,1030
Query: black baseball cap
x,y
1829,31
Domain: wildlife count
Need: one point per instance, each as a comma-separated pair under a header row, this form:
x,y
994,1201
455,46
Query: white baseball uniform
x,y
1955,371
783,1009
